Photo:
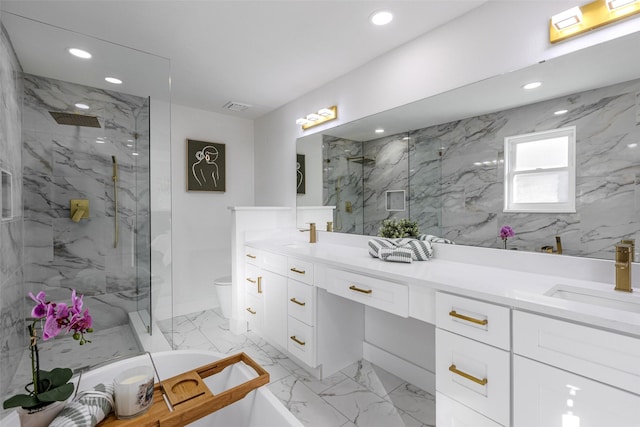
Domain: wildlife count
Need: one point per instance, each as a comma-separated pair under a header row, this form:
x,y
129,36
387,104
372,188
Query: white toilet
x,y
223,291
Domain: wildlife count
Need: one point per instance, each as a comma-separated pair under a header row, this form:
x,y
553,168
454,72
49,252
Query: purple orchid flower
x,y
41,308
506,232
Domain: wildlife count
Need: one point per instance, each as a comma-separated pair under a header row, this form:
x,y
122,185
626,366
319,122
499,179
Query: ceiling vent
x,y
236,106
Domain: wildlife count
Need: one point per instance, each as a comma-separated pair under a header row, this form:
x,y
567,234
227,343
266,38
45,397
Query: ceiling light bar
x,y
321,116
593,15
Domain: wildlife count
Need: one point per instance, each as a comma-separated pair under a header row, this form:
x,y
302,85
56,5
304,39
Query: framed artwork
x,y
205,166
300,175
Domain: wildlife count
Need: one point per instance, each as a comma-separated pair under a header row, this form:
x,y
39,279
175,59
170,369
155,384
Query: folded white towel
x,y
87,409
400,250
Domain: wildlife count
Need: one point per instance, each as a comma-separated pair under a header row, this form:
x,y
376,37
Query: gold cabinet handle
x,y
251,256
249,279
295,301
293,337
295,270
250,311
259,284
483,322
455,370
364,291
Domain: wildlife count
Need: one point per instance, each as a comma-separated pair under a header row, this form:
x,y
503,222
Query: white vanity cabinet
x,y
566,374
473,360
253,300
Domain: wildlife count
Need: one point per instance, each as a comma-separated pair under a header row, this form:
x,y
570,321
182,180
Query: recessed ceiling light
x,y
561,112
113,80
379,130
532,85
79,53
82,106
382,17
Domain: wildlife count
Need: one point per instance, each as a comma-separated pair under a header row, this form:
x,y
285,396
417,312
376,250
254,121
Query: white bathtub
x,y
260,408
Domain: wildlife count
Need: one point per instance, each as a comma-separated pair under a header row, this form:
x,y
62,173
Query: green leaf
x,y
56,377
24,400
57,394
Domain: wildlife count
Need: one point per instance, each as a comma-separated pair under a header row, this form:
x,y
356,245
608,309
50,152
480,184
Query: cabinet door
x,y
275,307
544,396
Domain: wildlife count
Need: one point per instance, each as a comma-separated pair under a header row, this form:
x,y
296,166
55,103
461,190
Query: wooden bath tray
x,y
190,397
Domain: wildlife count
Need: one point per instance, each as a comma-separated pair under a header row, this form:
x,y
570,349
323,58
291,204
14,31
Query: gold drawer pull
x,y
251,256
295,301
250,311
453,369
295,270
364,291
293,337
259,284
249,279
483,322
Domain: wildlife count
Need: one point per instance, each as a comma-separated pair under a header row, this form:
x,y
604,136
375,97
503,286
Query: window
x,y
540,172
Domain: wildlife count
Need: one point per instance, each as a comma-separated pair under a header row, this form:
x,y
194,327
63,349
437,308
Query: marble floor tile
x,y
361,406
360,395
306,405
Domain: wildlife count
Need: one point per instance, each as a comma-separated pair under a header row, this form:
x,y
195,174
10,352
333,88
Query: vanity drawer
x,y
251,255
301,341
301,301
450,413
377,293
274,263
253,311
300,270
604,356
252,281
482,321
474,374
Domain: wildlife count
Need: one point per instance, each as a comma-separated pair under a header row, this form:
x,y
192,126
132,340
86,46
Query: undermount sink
x,y
611,299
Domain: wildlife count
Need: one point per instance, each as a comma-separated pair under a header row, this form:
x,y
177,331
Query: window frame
x,y
510,142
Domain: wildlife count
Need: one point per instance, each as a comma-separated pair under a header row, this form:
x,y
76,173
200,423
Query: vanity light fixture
x,y
561,112
532,85
381,17
79,53
82,106
113,80
321,116
592,15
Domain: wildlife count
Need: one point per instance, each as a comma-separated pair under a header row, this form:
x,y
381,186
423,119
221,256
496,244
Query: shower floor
x,y
65,352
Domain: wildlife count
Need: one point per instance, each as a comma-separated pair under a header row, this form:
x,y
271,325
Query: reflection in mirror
x,y
53,161
450,156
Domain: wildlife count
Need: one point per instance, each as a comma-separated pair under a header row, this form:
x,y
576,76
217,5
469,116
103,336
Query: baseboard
x,y
411,373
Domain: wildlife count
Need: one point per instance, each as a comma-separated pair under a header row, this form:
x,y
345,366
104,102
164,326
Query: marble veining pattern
x,y
64,162
360,395
456,175
12,325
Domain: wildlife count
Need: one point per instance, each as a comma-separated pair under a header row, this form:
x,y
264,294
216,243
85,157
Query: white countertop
x,y
517,284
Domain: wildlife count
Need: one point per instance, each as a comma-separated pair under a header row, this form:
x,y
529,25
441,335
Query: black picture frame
x,y
300,174
206,167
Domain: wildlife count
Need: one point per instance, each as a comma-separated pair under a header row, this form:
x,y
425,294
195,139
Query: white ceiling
x,y
262,53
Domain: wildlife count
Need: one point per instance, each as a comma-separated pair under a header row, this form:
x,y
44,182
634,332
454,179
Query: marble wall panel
x,y
12,326
65,162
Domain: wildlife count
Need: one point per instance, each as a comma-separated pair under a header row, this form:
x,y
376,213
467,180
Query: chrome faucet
x,y
312,232
623,267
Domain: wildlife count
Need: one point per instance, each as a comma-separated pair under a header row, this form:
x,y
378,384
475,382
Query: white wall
x,y
496,38
201,221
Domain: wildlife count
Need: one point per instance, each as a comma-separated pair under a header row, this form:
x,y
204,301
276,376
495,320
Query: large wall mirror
x,y
440,161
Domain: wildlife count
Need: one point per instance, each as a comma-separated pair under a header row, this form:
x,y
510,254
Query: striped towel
x,y
87,409
400,250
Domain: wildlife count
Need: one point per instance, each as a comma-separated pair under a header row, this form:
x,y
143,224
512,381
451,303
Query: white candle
x,y
133,391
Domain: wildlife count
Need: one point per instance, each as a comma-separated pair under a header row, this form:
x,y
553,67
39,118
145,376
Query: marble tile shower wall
x,y
343,174
61,163
12,326
455,175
